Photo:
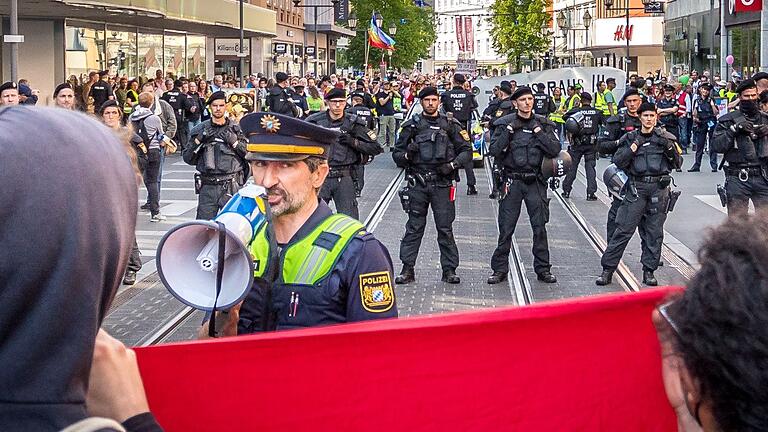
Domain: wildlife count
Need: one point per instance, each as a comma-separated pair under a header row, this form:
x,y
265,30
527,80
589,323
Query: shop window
x,y
745,43
175,55
150,53
84,50
121,52
196,56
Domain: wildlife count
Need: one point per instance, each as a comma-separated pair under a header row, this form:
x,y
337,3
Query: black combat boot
x,y
471,190
546,277
591,197
450,277
406,276
129,278
566,194
497,277
493,195
649,279
605,278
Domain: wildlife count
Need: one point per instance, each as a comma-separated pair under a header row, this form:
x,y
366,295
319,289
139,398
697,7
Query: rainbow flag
x,y
377,38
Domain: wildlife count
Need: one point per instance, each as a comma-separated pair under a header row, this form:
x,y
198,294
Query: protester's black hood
x,y
67,219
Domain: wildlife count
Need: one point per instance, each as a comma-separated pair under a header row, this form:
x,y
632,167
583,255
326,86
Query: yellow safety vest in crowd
x,y
600,102
557,116
573,101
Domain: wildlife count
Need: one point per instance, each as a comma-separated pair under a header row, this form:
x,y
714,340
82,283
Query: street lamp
x,y
608,5
352,21
392,30
297,4
587,19
379,19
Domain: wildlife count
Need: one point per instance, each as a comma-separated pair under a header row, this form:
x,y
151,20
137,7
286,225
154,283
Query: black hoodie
x,y
67,223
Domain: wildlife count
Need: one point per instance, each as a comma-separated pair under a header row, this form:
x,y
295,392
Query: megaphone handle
x,y
219,274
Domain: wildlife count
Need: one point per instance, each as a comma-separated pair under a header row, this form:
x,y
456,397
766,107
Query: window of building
x,y
745,43
150,51
175,54
84,49
121,51
196,56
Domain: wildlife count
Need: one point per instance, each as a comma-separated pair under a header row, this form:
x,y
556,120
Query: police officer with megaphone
x,y
520,143
583,123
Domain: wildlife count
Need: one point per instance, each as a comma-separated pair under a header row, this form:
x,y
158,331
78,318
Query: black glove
x,y
446,169
761,130
347,140
412,151
745,128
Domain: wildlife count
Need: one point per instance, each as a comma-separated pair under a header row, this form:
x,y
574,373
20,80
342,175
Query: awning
x,y
331,29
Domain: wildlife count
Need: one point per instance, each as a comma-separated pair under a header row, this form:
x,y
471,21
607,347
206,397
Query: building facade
x,y
190,37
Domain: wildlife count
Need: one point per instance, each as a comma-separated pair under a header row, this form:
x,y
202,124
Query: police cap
x,y
281,76
428,91
216,96
8,85
707,86
336,93
360,83
107,104
276,137
631,92
760,76
520,92
506,83
646,106
506,89
61,87
459,78
746,85
585,96
668,87
357,94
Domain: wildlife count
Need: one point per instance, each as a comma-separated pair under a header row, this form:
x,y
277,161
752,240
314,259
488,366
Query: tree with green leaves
x,y
415,33
516,29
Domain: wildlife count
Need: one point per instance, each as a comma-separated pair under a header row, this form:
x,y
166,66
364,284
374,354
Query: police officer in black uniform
x,y
493,104
181,103
101,91
367,98
278,99
583,123
358,108
520,143
626,120
431,147
647,156
543,104
742,137
356,145
460,104
503,106
217,149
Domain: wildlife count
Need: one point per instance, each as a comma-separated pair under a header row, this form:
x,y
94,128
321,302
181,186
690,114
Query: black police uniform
x,y
741,138
490,111
460,103
356,145
503,108
181,103
607,143
669,121
647,199
706,126
370,122
298,100
583,144
520,145
218,153
543,104
279,101
100,92
430,149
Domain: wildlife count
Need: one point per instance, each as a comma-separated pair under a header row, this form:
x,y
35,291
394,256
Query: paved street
x,y
146,306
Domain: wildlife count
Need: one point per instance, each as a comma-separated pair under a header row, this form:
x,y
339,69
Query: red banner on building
x,y
747,5
470,35
460,33
588,364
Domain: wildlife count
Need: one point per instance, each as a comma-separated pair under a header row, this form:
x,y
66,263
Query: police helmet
x,y
574,123
614,179
557,166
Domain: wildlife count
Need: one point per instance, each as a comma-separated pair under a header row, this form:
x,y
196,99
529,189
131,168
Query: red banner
x,y
748,5
460,33
469,34
589,364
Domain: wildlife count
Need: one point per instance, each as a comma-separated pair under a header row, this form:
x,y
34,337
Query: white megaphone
x,y
188,255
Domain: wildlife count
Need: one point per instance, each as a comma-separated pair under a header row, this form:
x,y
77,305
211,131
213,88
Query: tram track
x,y
183,315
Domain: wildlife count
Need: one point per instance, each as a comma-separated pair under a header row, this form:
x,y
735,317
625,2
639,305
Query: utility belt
x,y
427,178
525,177
340,172
744,173
653,179
212,179
663,181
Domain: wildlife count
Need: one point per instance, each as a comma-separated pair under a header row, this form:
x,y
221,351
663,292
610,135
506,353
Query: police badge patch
x,y
499,113
376,292
371,134
464,134
270,123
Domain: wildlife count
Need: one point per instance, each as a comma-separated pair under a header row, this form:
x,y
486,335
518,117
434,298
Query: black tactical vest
x,y
649,159
435,147
522,155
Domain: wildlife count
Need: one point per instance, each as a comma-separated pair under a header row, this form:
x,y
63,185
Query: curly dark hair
x,y
723,323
